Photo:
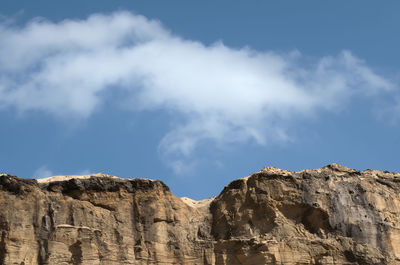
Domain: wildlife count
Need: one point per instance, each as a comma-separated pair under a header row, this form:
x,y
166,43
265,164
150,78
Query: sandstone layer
x,y
332,215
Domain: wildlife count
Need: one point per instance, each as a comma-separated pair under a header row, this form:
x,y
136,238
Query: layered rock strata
x,y
332,215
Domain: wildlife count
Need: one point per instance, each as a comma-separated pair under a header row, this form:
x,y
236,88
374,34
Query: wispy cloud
x,y
43,172
216,93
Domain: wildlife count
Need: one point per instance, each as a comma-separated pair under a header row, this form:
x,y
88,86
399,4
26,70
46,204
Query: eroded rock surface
x,y
332,215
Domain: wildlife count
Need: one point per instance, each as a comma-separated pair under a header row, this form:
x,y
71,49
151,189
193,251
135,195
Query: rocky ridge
x,y
332,215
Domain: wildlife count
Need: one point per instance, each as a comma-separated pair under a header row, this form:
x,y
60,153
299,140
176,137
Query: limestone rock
x,y
332,215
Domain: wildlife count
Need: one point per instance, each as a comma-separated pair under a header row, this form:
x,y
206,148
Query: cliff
x,y
332,215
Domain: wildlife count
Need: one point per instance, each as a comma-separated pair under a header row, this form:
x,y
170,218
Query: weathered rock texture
x,y
332,215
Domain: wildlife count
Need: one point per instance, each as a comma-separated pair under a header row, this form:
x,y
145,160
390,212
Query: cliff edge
x,y
332,215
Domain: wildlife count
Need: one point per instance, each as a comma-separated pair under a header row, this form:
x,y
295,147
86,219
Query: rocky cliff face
x,y
332,215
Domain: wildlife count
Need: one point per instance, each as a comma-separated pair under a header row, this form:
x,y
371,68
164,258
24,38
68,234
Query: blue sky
x,y
197,94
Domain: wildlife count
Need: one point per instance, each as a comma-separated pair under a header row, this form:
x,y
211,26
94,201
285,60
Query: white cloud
x,y
84,172
216,92
43,172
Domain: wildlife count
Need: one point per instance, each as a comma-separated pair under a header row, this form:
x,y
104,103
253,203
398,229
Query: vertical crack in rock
x,y
76,253
3,249
71,220
43,254
4,228
46,231
40,235
102,249
119,240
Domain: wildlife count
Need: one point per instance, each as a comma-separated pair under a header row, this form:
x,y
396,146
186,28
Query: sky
x,y
197,94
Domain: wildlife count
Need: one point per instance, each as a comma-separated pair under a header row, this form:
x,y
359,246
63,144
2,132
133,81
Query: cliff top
x,y
66,178
335,169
